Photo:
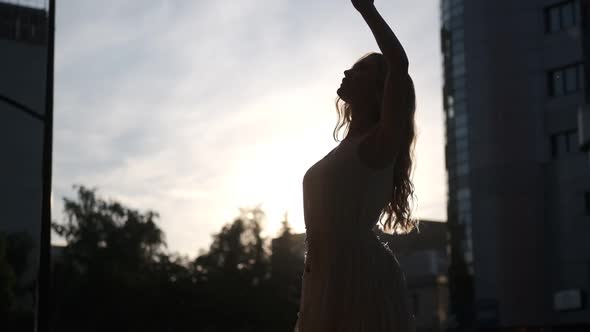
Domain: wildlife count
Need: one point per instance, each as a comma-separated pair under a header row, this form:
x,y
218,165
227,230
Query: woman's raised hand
x,y
363,5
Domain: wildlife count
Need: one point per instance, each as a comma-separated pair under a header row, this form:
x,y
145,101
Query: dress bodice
x,y
351,282
342,193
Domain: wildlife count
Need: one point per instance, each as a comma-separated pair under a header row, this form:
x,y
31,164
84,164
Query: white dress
x,y
351,281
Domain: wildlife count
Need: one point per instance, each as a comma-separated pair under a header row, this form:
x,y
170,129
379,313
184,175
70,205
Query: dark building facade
x,y
519,185
23,56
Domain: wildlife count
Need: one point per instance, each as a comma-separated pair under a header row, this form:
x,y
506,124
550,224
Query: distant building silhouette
x,y
23,51
423,258
519,186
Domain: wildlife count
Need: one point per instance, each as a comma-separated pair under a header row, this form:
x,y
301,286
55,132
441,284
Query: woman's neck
x,y
362,121
358,128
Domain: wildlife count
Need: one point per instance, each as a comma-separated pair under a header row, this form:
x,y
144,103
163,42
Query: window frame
x,y
562,143
559,7
577,68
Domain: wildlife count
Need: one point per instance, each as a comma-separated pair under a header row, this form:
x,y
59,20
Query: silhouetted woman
x,y
351,281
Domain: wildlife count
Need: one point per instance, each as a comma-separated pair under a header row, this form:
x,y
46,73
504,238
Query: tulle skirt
x,y
354,284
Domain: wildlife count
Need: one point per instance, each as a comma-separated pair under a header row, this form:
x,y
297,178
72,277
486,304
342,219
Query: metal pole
x,y
42,317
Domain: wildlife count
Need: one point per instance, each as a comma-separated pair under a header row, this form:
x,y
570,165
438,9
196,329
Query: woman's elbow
x,y
398,64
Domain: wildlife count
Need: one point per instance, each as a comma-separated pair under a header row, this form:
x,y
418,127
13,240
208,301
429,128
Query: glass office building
x,y
515,73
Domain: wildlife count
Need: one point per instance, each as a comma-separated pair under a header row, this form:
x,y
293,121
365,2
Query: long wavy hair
x,y
397,212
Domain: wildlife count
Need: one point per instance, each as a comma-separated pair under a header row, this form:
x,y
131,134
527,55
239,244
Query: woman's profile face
x,y
360,84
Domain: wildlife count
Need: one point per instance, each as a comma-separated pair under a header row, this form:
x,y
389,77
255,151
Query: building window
x,y
460,107
460,94
468,256
456,22
462,168
458,60
458,71
464,194
563,143
457,11
464,209
456,35
458,84
462,156
23,24
461,120
565,80
561,16
460,132
464,218
468,234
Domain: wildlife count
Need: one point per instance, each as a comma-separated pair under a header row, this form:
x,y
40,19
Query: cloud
x,y
183,107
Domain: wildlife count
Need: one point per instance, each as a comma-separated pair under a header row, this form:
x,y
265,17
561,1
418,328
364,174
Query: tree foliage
x,y
115,274
7,279
17,286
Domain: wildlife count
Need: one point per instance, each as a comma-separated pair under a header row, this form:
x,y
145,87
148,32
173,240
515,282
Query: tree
x,y
106,265
97,228
235,273
287,269
15,250
7,279
115,274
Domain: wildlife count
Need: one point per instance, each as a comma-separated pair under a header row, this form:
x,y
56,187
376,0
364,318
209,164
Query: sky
x,y
194,109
